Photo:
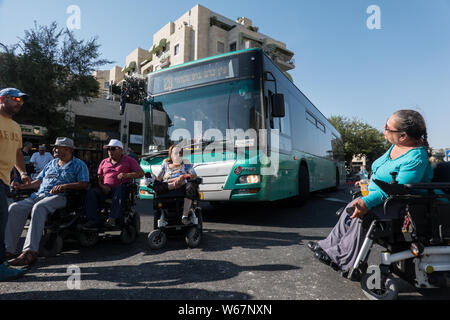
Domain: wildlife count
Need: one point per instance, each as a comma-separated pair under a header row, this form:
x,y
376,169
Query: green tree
x,y
360,138
53,67
135,88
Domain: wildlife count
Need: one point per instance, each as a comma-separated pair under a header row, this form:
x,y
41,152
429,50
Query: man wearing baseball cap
x,y
112,172
11,101
65,172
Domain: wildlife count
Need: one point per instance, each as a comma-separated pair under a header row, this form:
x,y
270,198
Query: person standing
x,y
11,155
40,159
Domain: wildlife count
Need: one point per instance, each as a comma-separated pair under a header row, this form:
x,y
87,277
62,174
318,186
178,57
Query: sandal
x,y
27,258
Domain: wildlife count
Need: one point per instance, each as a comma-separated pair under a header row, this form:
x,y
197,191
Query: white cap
x,y
114,143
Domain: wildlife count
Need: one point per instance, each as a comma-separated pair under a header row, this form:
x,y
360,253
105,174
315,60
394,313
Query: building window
x,y
233,47
220,47
177,49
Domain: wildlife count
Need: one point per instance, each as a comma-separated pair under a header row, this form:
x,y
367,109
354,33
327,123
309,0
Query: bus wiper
x,y
155,154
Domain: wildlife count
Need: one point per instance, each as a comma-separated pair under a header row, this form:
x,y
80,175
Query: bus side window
x,y
320,126
310,118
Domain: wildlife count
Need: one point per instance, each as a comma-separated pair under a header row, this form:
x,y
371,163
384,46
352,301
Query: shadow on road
x,y
128,294
152,276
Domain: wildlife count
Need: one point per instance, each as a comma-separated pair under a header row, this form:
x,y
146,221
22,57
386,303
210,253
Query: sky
x,y
342,66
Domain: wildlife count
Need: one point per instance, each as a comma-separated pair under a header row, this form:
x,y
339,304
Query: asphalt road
x,y
248,252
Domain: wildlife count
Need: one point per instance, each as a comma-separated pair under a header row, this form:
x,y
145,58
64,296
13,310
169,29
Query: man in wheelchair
x,y
114,175
64,173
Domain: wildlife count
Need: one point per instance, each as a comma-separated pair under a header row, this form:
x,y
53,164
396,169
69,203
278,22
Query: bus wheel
x,y
303,185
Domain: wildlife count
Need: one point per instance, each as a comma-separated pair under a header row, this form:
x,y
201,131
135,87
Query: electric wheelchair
x,y
129,224
168,208
61,224
417,245
66,224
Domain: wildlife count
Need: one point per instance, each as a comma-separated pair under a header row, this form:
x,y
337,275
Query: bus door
x,y
279,141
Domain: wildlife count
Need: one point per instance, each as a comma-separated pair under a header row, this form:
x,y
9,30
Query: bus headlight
x,y
250,179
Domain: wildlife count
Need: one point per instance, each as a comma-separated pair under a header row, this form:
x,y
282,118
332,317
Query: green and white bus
x,y
242,91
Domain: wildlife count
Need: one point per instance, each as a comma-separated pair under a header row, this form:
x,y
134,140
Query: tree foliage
x,y
135,89
53,67
359,139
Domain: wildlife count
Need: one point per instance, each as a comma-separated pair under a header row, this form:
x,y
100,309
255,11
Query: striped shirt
x,y
53,175
168,173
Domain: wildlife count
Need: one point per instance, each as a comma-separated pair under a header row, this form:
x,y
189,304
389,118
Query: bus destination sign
x,y
193,75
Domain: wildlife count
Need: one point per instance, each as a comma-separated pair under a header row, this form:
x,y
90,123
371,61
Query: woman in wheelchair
x,y
174,178
408,156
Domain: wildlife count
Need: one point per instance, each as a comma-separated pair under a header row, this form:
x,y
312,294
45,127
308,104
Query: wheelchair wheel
x,y
88,239
193,237
157,239
51,244
388,290
128,234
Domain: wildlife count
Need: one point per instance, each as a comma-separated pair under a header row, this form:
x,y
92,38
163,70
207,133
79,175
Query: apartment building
x,y
201,33
197,34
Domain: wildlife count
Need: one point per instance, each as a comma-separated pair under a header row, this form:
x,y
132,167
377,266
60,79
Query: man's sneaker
x,y
186,220
9,273
110,223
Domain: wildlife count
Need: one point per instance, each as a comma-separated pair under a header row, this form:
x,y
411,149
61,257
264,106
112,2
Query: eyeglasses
x,y
17,99
386,128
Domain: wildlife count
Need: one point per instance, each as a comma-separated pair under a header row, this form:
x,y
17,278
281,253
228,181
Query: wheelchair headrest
x,y
442,172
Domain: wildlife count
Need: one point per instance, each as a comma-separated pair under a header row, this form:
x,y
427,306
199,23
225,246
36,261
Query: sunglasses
x,y
17,99
386,128
112,148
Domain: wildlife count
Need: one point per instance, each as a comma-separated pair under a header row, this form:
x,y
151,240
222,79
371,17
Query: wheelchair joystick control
x,y
394,177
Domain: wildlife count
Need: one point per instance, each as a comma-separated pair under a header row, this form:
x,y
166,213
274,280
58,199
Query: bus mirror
x,y
278,110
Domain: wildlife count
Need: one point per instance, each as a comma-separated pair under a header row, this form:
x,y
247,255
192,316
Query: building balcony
x,y
164,61
285,65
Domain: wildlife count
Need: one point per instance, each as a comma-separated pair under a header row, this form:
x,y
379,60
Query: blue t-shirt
x,y
54,175
412,167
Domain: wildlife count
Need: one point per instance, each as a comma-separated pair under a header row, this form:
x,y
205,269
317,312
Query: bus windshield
x,y
215,108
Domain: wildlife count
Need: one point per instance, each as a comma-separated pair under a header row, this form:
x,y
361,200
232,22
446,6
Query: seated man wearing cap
x,y
39,160
112,172
63,173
